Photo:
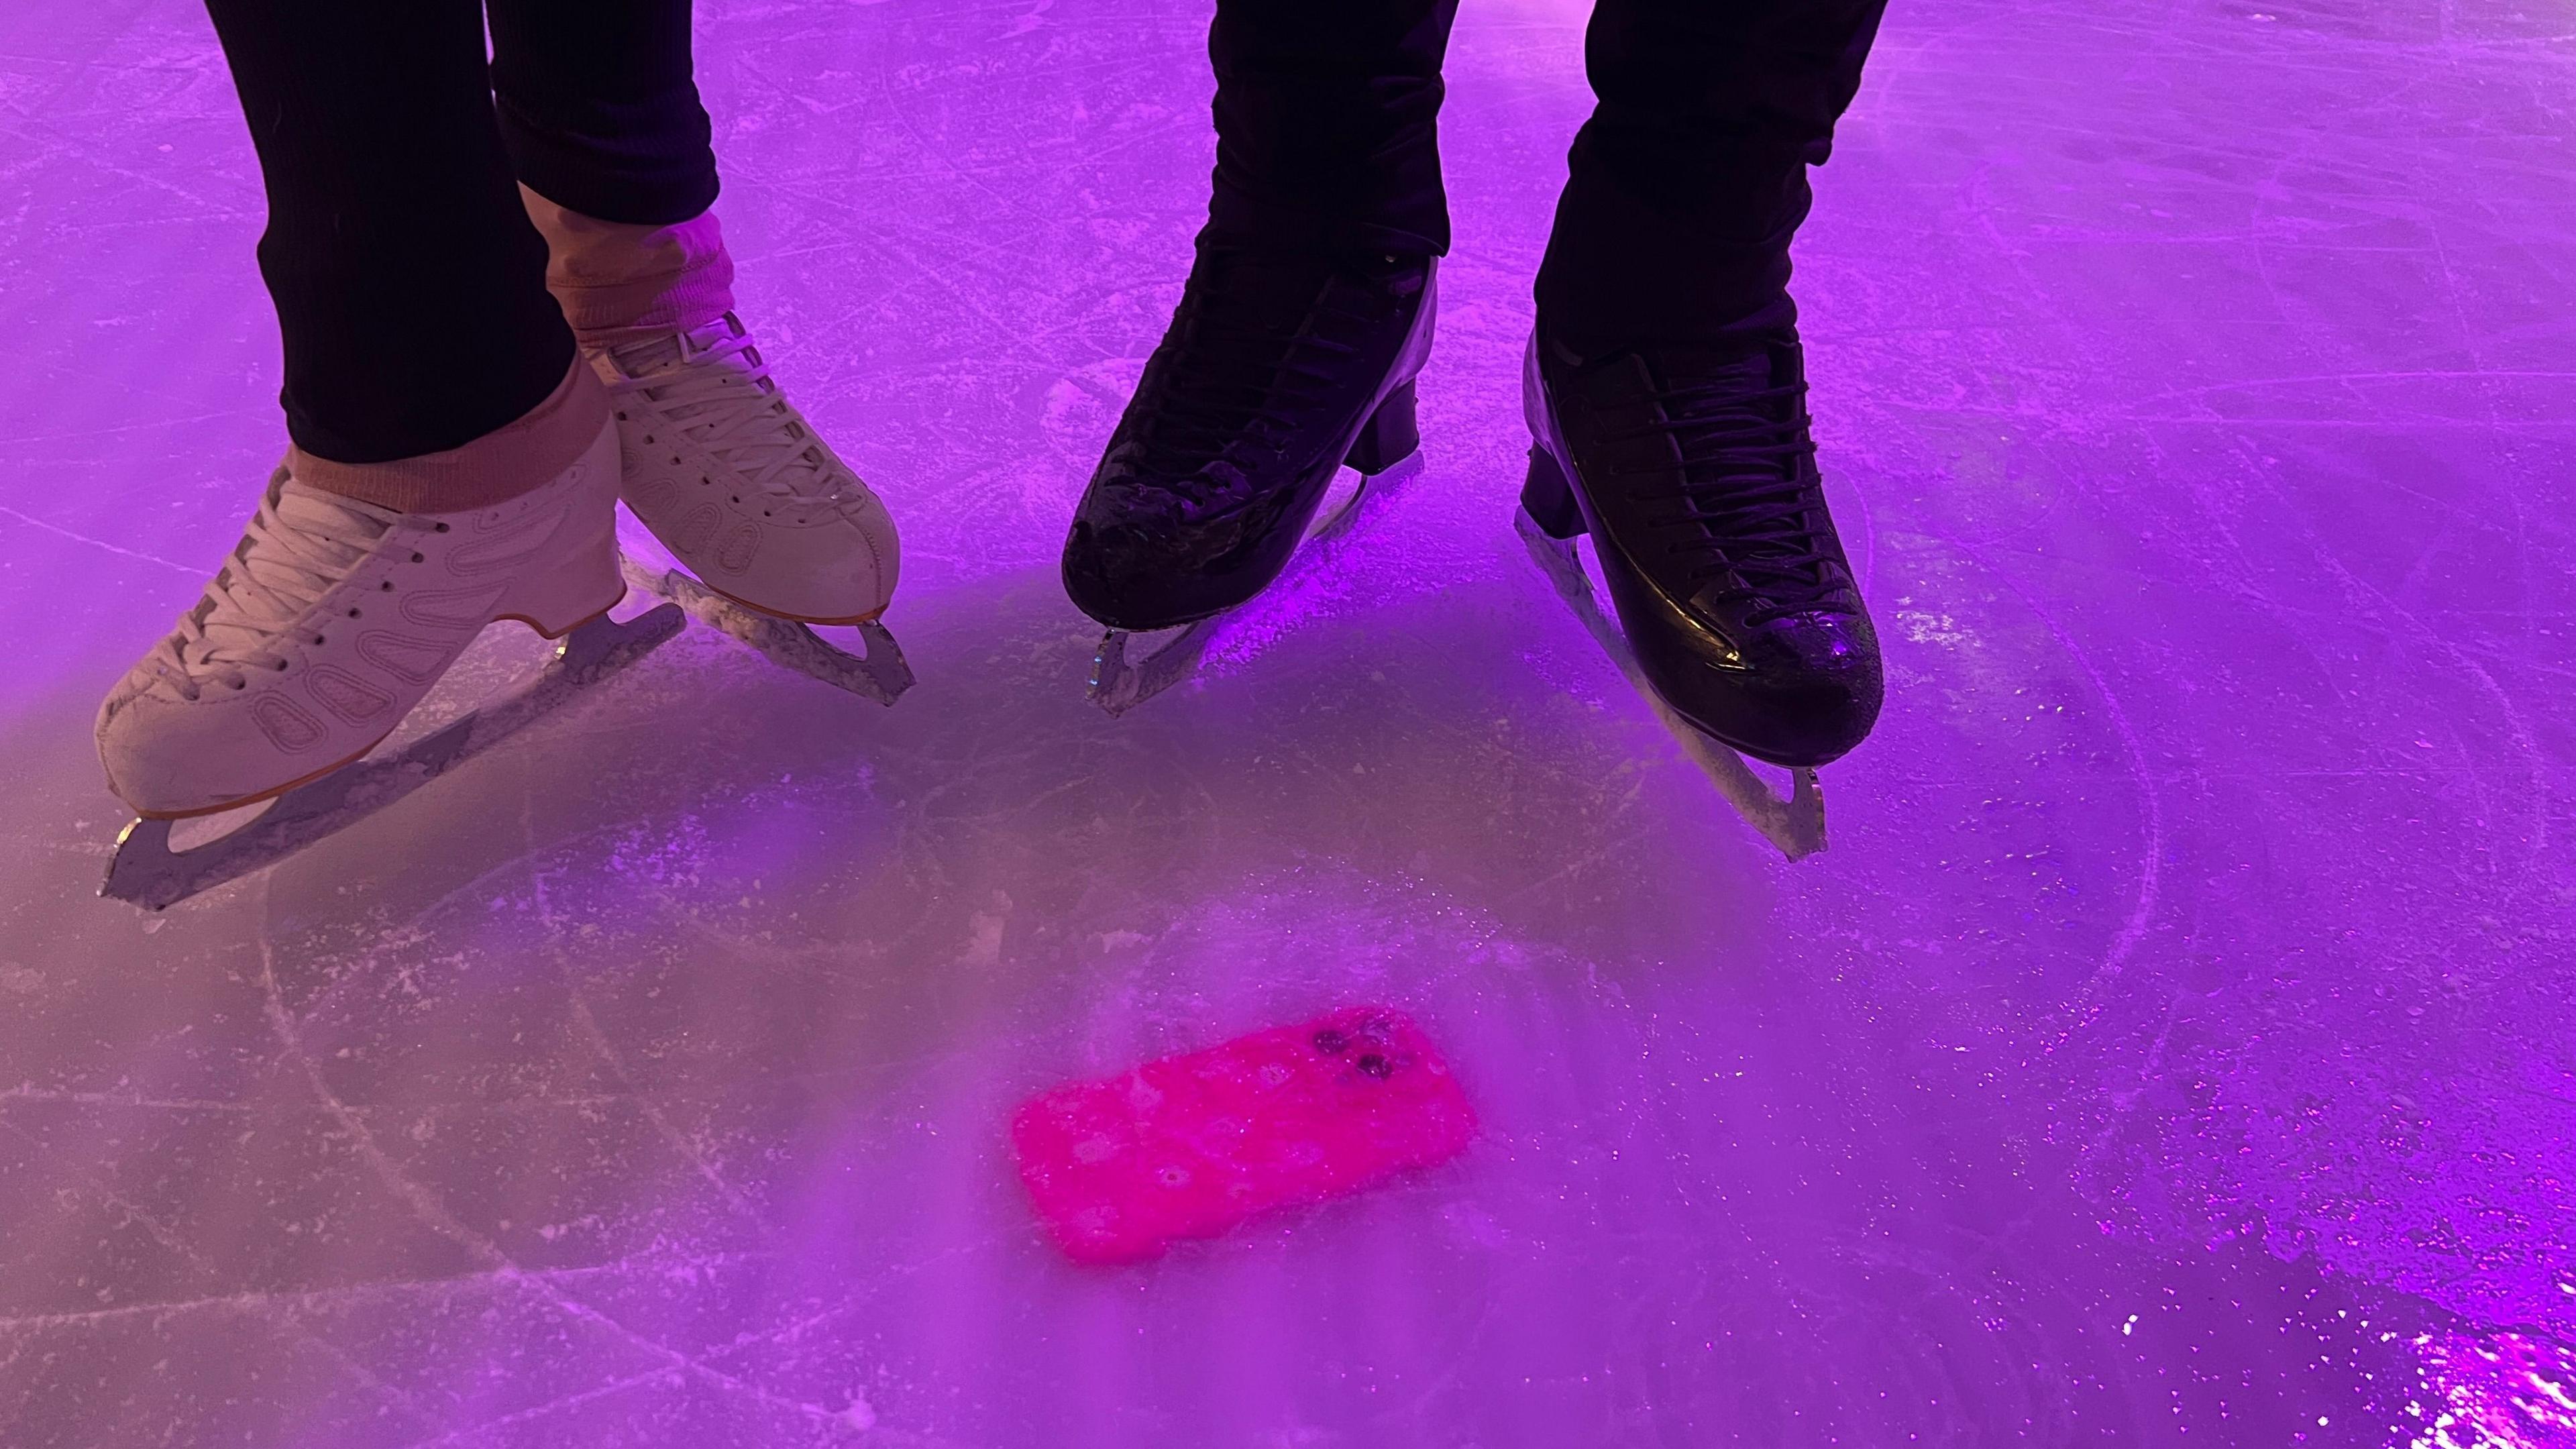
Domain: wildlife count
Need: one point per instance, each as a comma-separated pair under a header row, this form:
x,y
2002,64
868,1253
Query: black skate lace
x,y
1751,509
1246,402
1239,395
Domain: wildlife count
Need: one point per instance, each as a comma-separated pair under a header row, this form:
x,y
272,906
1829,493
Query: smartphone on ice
x,y
1189,1146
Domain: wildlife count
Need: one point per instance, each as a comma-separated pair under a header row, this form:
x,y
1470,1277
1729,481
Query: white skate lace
x,y
300,544
717,392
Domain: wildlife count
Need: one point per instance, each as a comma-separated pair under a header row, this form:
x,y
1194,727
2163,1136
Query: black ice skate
x,y
1277,370
1738,618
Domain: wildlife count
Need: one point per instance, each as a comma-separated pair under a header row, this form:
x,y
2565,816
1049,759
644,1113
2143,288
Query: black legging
x,y
1687,183
410,286
409,283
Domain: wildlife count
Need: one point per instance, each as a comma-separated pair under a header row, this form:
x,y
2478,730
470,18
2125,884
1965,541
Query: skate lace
x,y
1246,402
1247,382
300,544
711,386
1748,507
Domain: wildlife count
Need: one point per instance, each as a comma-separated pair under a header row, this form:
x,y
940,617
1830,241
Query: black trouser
x,y
410,285
1687,183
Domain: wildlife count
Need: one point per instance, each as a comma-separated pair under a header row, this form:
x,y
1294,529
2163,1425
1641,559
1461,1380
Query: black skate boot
x,y
1278,368
1693,471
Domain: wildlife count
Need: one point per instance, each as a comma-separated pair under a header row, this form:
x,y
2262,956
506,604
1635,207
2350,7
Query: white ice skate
x,y
328,623
768,532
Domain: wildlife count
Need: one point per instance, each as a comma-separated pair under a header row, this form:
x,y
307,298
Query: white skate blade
x,y
881,674
1119,684
1795,824
148,873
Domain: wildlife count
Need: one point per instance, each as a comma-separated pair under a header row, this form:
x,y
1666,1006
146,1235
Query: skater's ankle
x,y
614,277
512,460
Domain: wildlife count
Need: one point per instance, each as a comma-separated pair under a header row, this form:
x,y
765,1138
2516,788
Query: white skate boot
x,y
738,486
751,501
326,625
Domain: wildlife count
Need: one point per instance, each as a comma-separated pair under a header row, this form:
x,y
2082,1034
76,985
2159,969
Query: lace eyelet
x,y
353,613
419,558
442,528
387,586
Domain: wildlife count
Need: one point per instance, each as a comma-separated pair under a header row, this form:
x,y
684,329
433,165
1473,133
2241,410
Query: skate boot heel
x,y
1548,499
583,584
1389,436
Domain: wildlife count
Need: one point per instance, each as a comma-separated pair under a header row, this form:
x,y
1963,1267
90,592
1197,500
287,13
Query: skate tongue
x,y
646,359
664,350
1697,367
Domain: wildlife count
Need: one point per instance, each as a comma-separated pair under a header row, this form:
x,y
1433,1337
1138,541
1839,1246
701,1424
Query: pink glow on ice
x,y
1189,1146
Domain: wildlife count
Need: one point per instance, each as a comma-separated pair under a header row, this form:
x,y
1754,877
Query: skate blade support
x,y
881,673
1119,684
1795,824
146,872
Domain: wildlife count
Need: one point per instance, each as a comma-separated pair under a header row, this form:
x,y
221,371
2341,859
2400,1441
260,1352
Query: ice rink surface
x,y
2175,1047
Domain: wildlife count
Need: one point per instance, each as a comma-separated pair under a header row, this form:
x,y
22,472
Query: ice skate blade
x,y
146,872
881,674
1119,684
1796,824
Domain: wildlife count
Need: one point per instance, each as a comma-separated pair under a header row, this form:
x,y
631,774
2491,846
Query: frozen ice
x,y
2174,1047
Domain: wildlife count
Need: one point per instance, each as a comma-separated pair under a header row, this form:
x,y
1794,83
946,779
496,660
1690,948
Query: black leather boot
x,y
1278,368
1693,471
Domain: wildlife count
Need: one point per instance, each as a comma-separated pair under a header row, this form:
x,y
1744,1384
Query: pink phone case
x,y
1188,1146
